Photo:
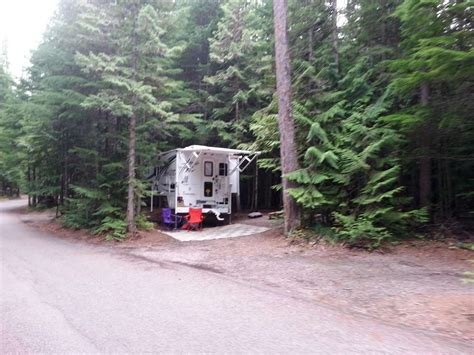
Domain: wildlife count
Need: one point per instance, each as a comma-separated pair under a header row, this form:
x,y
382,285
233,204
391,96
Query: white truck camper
x,y
200,177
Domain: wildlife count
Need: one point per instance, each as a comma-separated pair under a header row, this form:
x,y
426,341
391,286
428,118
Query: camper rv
x,y
200,177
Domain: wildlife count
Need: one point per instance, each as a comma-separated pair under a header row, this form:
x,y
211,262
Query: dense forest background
x,y
383,103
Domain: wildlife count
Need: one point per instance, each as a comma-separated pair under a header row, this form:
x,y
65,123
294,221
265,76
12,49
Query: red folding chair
x,y
194,219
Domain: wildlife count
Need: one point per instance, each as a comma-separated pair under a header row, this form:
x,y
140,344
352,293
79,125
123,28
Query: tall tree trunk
x,y
132,228
66,180
439,213
132,140
425,159
267,190
35,197
310,35
255,188
286,125
60,200
335,40
29,186
449,188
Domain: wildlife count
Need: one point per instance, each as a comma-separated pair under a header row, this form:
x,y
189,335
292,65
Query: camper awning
x,y
193,152
217,150
207,149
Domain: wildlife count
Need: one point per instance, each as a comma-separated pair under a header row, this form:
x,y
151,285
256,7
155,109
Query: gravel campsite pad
x,y
230,231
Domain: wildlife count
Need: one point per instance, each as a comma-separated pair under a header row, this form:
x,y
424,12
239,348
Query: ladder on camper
x,y
189,162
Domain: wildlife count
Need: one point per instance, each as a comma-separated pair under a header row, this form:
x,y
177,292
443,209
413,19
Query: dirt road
x,y
61,296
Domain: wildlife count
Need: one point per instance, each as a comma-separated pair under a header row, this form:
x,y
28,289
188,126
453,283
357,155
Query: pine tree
x,y
11,153
241,66
131,77
434,81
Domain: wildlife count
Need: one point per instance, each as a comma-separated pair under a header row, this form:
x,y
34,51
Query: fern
x,y
359,231
350,170
112,228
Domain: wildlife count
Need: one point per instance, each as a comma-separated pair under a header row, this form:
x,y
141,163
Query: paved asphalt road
x,y
60,296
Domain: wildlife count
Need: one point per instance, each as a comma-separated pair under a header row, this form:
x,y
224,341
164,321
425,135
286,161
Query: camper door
x,y
222,181
208,180
215,184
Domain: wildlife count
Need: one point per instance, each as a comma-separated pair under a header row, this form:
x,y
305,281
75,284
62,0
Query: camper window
x,y
222,169
208,168
208,189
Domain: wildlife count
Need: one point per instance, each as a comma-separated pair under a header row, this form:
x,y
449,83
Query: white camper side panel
x,y
165,181
188,181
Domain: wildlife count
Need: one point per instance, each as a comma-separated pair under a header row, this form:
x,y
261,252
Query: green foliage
x,y
95,209
202,72
113,228
144,223
350,148
242,78
359,230
469,275
86,80
467,246
437,41
11,152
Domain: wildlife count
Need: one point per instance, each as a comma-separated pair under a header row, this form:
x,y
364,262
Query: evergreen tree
x,y
434,81
130,73
240,54
288,154
11,152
